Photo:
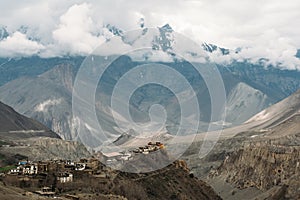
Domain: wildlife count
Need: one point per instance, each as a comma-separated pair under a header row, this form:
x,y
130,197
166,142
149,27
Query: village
x,y
48,178
54,177
112,158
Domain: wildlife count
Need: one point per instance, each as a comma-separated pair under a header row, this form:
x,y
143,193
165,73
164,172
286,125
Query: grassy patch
x,y
7,168
3,143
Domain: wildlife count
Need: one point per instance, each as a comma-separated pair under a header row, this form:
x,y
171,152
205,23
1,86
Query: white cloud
x,y
279,51
19,45
267,29
77,31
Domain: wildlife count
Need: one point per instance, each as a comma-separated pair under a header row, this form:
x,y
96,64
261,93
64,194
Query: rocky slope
x,y
17,126
258,159
14,68
265,166
244,101
279,112
267,159
22,137
45,98
172,182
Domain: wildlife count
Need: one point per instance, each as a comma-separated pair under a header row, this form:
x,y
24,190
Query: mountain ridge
x,y
22,137
15,124
46,94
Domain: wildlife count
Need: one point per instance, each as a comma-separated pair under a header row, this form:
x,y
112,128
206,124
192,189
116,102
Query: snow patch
x,y
91,129
243,102
43,107
259,117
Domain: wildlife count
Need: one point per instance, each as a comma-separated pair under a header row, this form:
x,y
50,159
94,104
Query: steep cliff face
x,y
267,155
262,165
265,165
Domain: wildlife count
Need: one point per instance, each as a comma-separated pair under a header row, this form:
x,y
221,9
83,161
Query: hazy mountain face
x,y
47,95
17,130
13,68
46,98
278,113
17,126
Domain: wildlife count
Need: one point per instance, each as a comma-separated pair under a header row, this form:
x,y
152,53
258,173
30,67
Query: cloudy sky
x,y
263,29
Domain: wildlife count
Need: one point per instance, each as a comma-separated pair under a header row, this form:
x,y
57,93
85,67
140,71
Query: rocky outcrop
x,y
264,165
267,155
171,182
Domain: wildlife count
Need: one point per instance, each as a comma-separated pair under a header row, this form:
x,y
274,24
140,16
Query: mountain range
x,y
255,156
41,88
